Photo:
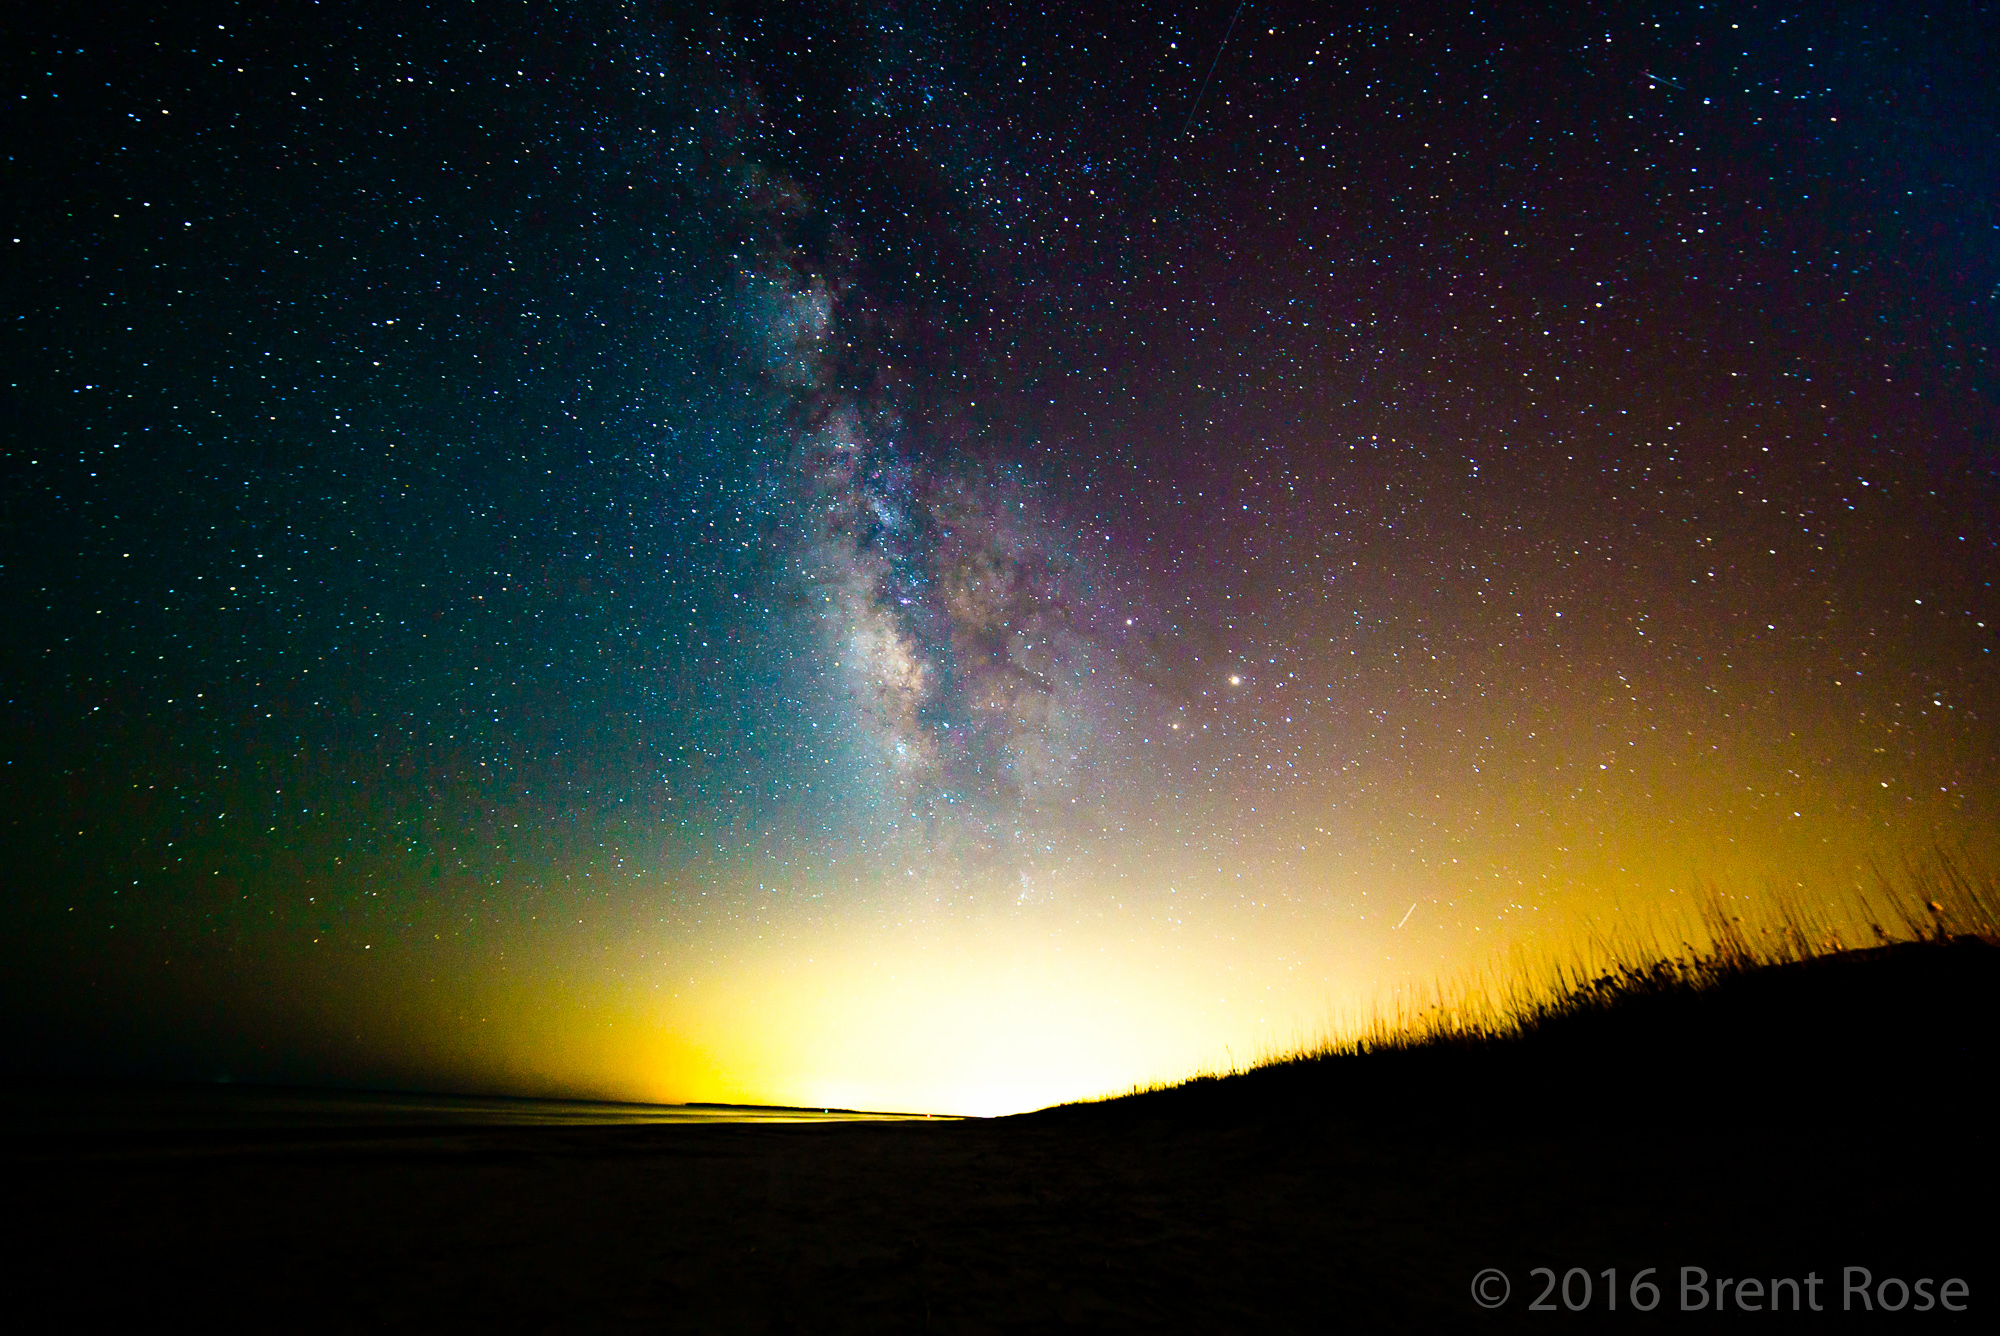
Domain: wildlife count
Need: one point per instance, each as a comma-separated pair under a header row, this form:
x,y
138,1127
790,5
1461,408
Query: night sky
x,y
955,556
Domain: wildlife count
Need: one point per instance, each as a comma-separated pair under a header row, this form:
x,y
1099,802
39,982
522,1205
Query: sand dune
x,y
1233,1207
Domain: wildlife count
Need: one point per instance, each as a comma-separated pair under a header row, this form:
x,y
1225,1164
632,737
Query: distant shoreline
x,y
113,1106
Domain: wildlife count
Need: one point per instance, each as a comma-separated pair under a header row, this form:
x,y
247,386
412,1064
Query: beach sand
x,y
1805,1120
1085,1223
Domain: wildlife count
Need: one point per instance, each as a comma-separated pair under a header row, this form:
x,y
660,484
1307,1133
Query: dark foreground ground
x,y
1304,1203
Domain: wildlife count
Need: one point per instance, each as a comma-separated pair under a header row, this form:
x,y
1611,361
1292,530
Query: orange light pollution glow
x,y
1209,928
827,571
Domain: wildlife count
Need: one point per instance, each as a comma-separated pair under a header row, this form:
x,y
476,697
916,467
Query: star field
x,y
960,556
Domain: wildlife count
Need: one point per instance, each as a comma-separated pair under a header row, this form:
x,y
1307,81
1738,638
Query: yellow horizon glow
x,y
942,1008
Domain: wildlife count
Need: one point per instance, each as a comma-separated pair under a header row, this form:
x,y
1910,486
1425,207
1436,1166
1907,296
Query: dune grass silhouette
x,y
1849,1005
1795,1087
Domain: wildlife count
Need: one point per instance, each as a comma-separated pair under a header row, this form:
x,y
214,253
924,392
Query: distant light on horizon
x,y
800,571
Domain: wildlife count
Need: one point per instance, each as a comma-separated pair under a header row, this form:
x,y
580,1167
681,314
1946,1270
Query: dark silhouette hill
x,y
1904,1032
1736,1133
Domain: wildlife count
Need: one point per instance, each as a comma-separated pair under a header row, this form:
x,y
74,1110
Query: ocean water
x,y
134,1107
